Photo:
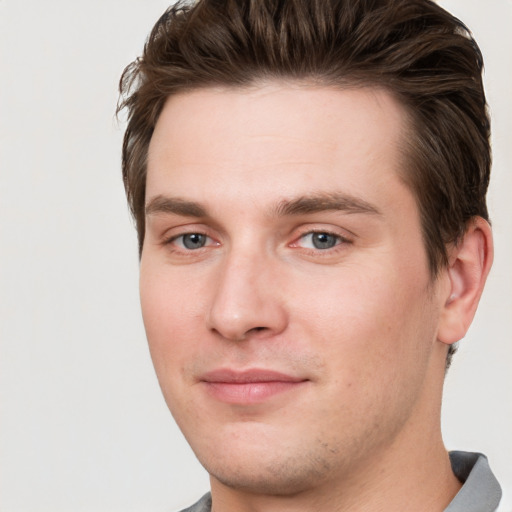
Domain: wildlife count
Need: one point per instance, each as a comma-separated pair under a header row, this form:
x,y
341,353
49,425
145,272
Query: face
x,y
285,288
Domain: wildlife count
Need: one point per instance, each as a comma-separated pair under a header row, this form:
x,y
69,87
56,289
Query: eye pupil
x,y
194,240
323,240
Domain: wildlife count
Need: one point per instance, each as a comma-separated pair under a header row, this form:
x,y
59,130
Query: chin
x,y
270,478
264,465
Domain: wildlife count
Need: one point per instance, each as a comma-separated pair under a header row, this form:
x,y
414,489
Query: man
x,y
308,179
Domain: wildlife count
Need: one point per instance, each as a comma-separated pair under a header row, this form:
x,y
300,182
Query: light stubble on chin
x,y
316,464
284,476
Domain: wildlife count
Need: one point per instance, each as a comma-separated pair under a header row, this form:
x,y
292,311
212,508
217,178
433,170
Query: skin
x,y
232,278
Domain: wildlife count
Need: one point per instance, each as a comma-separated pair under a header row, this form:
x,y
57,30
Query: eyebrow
x,y
303,205
176,206
319,202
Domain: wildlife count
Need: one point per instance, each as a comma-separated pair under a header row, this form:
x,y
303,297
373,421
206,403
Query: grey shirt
x,y
480,491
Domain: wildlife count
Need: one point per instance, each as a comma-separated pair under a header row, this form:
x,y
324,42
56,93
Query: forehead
x,y
276,138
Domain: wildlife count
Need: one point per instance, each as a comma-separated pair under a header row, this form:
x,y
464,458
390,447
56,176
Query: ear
x,y
469,264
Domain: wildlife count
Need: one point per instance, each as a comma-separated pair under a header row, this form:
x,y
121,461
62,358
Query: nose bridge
x,y
246,299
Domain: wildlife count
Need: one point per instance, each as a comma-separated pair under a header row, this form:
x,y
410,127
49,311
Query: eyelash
x,y
340,242
172,239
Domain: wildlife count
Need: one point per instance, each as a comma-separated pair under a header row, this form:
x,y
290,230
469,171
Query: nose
x,y
248,299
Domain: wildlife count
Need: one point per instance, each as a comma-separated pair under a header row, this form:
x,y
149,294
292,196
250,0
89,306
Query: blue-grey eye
x,y
324,240
193,240
319,240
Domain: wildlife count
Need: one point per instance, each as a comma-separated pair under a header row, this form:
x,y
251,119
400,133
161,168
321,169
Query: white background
x,y
83,425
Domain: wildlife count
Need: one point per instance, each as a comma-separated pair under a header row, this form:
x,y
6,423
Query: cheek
x,y
376,342
367,322
171,310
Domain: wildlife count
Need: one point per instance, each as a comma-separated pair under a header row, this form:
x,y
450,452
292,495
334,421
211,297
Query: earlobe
x,y
469,265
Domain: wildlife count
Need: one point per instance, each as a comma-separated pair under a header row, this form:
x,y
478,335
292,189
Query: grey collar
x,y
480,492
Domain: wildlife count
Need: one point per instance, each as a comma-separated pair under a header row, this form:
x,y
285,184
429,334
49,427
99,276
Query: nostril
x,y
254,330
248,334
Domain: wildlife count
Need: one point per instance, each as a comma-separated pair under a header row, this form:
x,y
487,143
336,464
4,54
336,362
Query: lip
x,y
249,386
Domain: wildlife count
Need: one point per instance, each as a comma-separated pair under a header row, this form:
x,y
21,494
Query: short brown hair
x,y
413,48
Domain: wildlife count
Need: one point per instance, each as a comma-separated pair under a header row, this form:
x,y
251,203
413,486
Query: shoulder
x,y
203,505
